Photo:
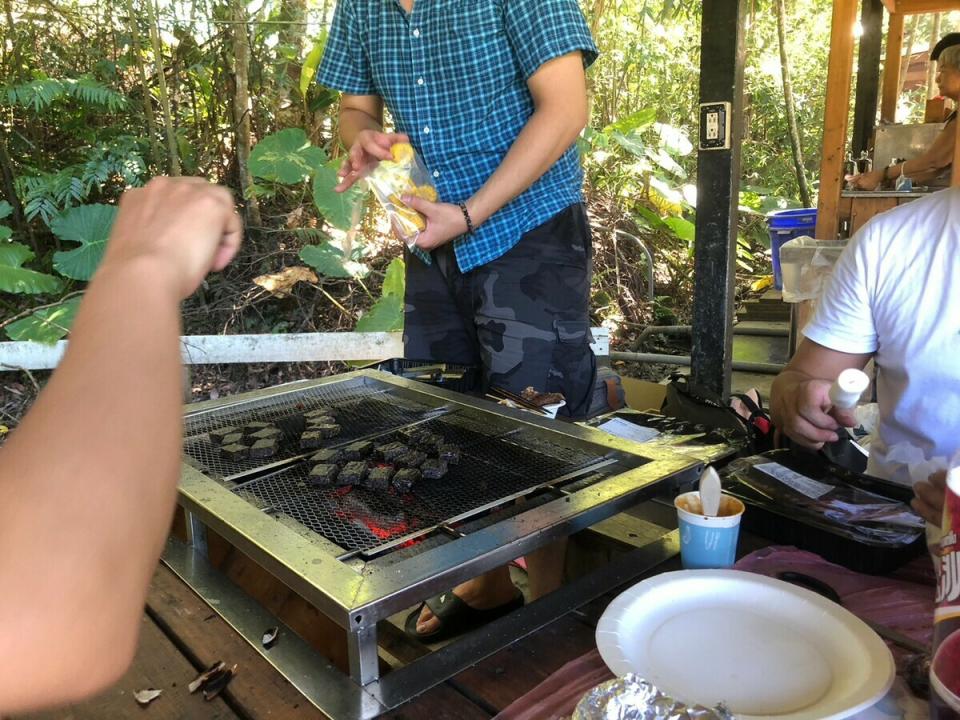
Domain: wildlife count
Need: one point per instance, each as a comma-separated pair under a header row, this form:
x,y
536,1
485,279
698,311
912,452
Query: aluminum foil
x,y
633,698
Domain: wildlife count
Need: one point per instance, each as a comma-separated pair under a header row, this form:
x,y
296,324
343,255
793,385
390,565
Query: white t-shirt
x,y
895,292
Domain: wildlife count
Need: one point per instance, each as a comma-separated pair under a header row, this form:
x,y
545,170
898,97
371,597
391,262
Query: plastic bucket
x,y
785,225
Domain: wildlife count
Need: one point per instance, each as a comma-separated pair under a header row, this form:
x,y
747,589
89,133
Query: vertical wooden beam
x,y
718,196
891,69
836,109
868,75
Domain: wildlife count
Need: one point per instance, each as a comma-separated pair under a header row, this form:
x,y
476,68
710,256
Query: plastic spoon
x,y
710,492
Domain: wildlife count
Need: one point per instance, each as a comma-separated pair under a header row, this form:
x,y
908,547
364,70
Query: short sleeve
x,y
541,30
844,319
345,66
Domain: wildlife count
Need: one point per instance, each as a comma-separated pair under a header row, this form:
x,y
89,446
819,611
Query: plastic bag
x,y
404,174
821,501
945,666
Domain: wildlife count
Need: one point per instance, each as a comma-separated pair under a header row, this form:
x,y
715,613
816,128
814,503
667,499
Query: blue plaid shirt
x,y
453,75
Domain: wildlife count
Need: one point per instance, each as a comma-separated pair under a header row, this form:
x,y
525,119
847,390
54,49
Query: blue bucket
x,y
786,225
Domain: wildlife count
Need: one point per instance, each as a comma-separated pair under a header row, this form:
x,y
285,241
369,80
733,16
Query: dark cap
x,y
946,41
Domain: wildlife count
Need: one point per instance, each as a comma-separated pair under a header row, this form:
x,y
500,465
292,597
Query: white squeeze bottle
x,y
848,387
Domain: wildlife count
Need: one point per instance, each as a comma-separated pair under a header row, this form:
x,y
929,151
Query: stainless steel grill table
x,y
360,555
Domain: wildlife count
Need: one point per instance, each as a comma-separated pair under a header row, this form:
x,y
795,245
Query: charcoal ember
x,y
353,473
429,442
410,459
320,412
331,456
433,469
405,479
267,433
379,478
390,451
323,474
358,451
327,431
219,434
256,426
450,454
265,448
235,451
311,439
232,439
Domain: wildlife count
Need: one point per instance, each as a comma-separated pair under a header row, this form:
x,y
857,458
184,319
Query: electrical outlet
x,y
715,126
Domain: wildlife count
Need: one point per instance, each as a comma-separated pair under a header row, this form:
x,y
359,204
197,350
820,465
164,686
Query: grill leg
x,y
362,648
196,534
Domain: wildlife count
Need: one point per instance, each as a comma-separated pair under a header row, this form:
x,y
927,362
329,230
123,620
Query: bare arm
x,y
88,480
799,399
924,167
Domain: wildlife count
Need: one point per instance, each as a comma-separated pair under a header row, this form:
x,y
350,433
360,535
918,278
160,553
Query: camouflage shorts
x,y
522,318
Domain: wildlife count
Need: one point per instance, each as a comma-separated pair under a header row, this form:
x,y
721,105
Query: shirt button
x,y
416,32
419,81
426,130
436,173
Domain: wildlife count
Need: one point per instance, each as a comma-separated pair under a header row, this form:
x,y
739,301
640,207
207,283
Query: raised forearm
x,y
87,489
353,121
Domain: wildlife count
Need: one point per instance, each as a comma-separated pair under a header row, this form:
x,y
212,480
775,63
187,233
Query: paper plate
x,y
763,647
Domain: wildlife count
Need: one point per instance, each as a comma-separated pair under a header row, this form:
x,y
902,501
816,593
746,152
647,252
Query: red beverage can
x,y
945,663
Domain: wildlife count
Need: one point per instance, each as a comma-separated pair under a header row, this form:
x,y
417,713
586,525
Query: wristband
x,y
466,216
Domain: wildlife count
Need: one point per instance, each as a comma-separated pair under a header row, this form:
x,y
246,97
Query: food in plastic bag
x,y
403,174
860,515
945,667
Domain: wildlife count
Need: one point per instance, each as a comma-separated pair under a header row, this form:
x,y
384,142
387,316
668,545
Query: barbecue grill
x,y
360,555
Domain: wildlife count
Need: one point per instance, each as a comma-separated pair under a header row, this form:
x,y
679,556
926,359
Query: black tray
x,y
781,525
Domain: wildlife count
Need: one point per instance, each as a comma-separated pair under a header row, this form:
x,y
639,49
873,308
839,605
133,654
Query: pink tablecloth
x,y
903,602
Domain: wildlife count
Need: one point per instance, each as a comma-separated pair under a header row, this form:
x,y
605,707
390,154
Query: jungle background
x,y
99,95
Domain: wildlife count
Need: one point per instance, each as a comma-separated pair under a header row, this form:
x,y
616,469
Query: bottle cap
x,y
847,389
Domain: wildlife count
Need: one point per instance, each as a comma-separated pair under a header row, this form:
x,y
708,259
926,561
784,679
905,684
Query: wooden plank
x,y
258,688
441,703
836,110
891,69
505,676
922,7
158,664
864,208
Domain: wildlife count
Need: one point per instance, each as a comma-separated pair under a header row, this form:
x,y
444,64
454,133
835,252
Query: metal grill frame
x,y
358,594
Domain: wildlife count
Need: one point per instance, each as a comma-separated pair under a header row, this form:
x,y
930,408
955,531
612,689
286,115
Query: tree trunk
x,y
908,44
790,106
931,65
10,190
156,149
162,87
241,108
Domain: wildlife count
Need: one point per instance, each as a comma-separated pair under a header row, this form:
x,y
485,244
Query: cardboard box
x,y
644,395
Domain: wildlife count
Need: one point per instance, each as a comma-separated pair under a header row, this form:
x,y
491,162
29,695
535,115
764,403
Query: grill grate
x,y
500,460
362,411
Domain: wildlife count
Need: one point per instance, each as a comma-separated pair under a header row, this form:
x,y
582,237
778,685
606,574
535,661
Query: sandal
x,y
455,616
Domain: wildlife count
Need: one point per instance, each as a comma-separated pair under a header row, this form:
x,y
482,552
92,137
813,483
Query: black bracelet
x,y
466,216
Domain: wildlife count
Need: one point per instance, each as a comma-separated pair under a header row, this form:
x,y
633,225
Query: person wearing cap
x,y
492,96
933,166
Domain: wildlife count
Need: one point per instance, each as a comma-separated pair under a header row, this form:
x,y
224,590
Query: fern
x,y
41,93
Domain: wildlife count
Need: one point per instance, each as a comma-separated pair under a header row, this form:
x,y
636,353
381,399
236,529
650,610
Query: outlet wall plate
x,y
715,126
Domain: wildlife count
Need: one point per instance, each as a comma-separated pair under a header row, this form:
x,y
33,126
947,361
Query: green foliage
x,y
386,315
329,260
286,157
90,226
308,72
19,280
42,92
342,210
47,325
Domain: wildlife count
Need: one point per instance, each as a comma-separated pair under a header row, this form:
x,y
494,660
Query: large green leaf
x,y
308,72
386,315
325,259
394,282
20,280
681,227
342,210
47,325
631,143
5,209
90,226
286,157
634,122
5,233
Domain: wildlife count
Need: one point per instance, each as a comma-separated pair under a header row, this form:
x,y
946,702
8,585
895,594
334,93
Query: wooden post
x,y
891,69
868,75
836,110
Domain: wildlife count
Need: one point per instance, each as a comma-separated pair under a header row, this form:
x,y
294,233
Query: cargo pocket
x,y
573,369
